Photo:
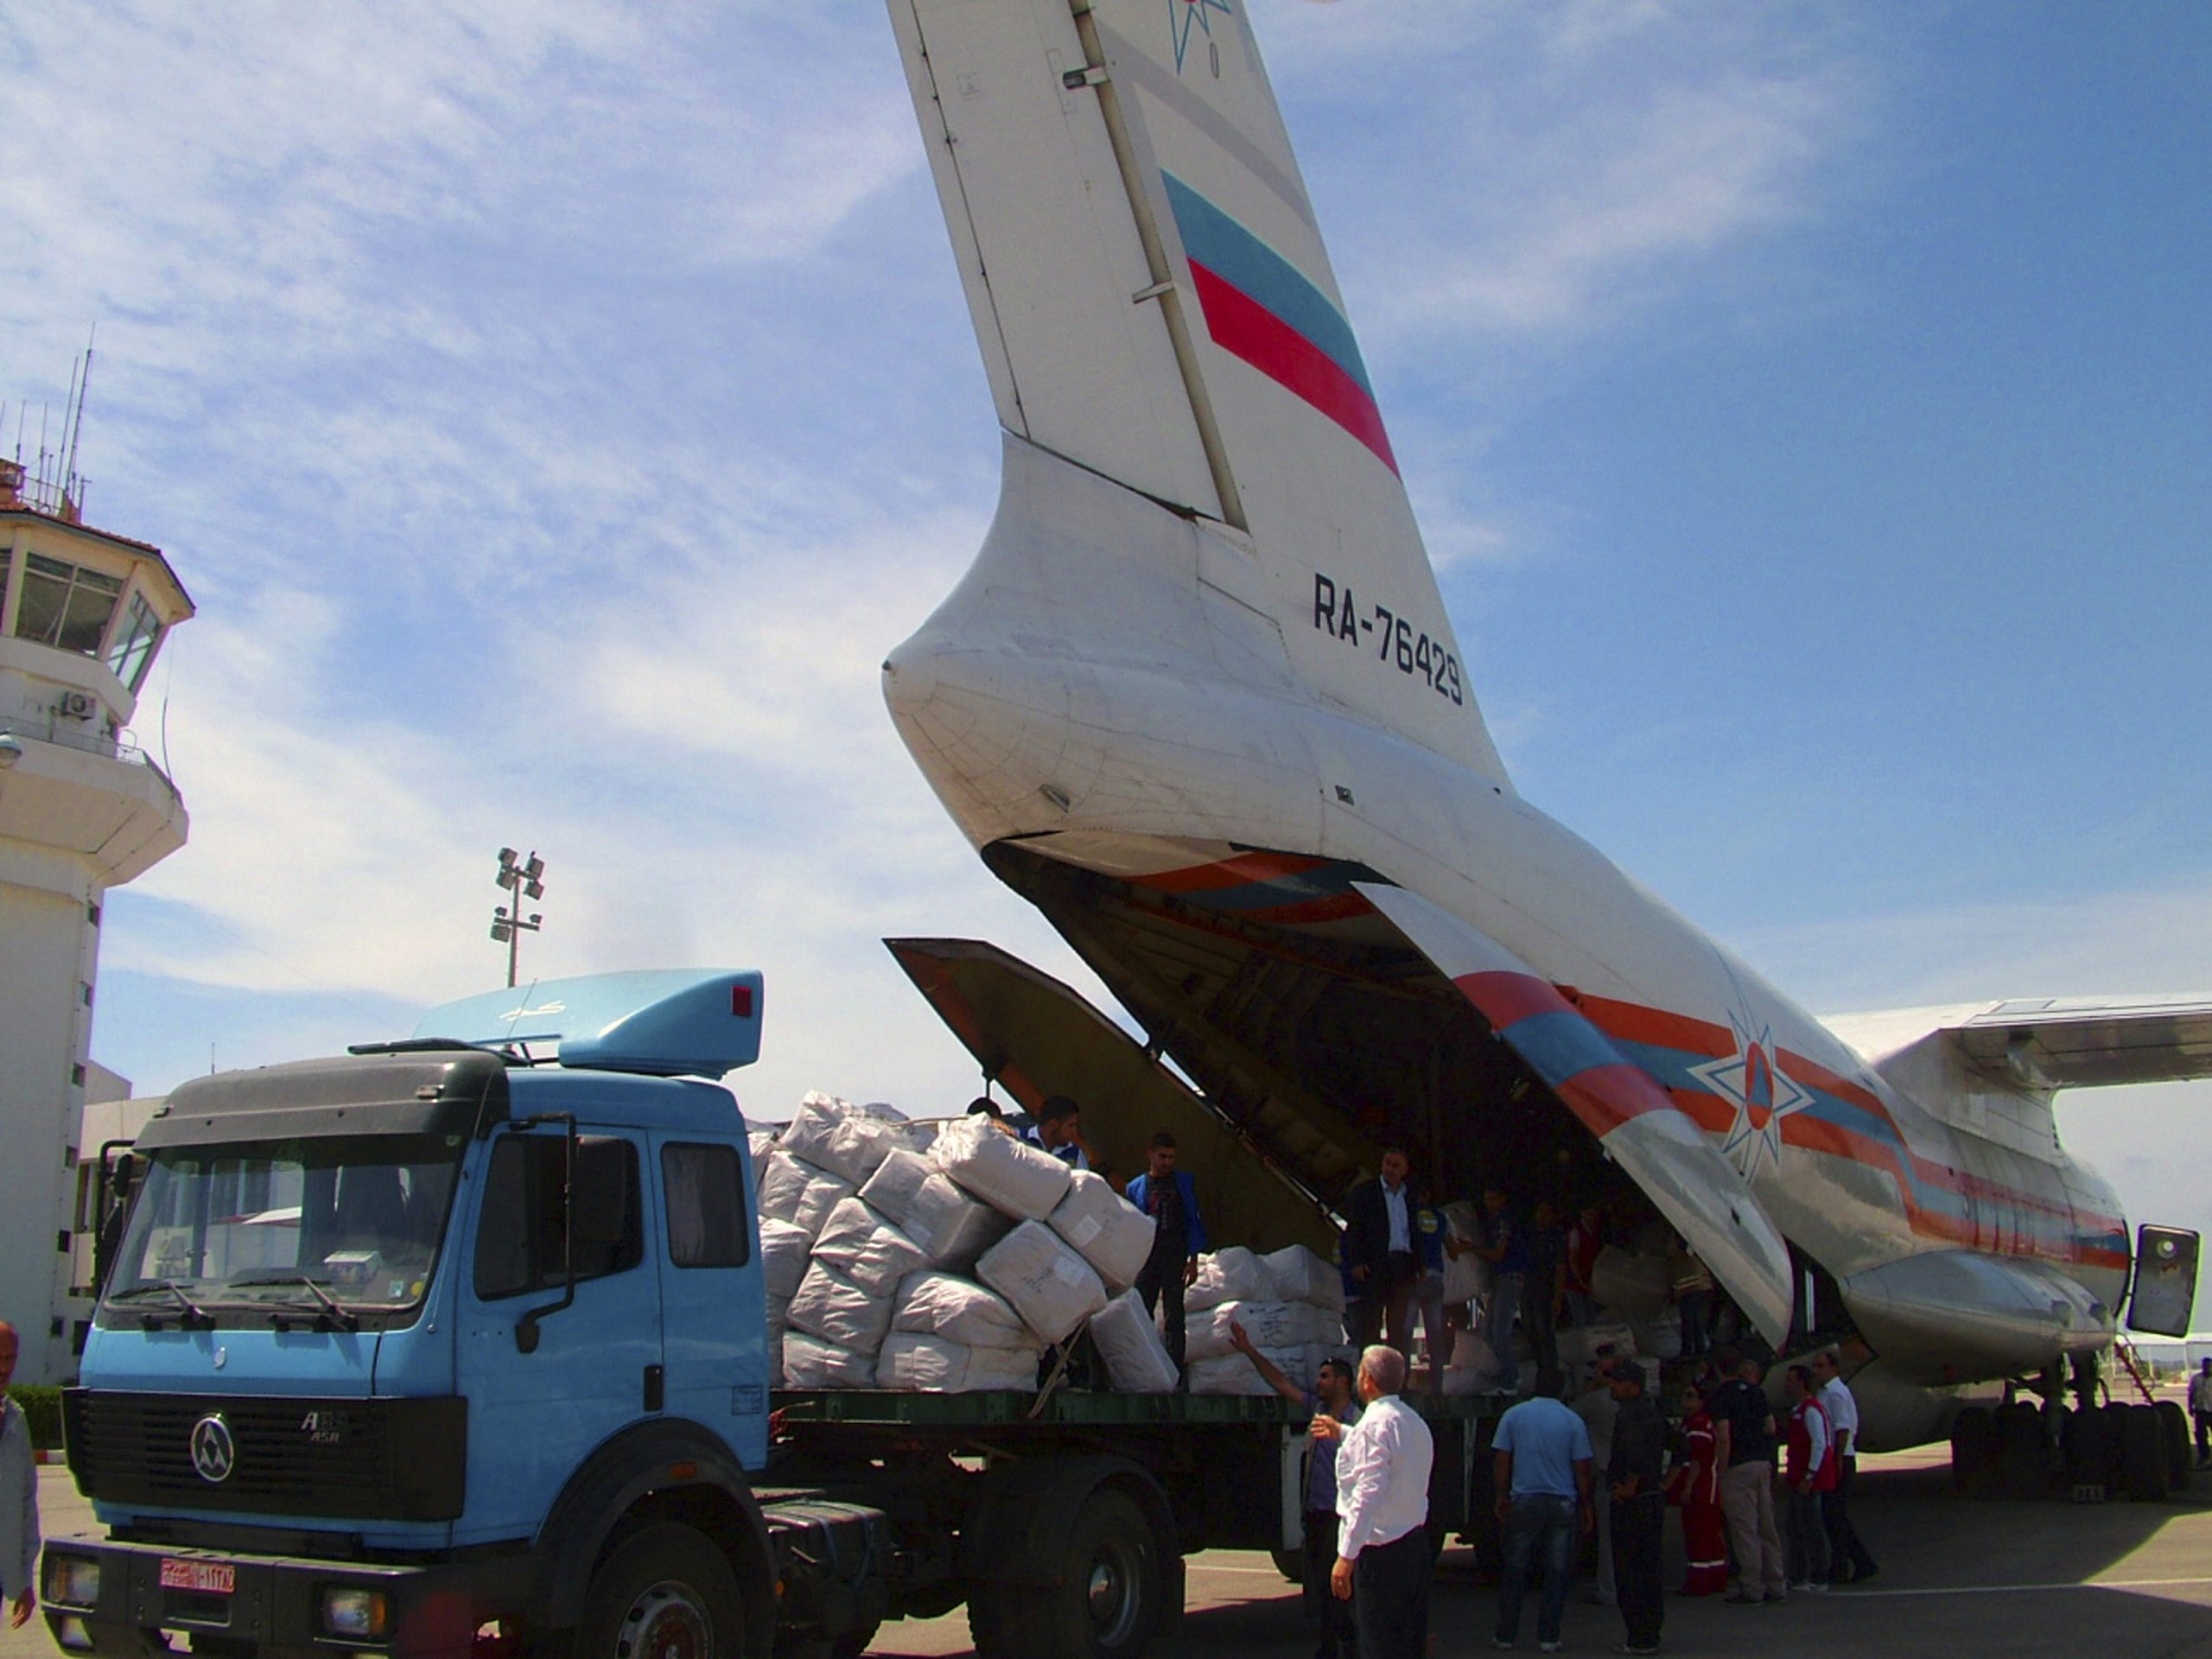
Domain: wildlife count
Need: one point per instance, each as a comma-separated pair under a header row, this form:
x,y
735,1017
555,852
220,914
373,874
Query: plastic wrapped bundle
x,y
795,1190
952,1228
1011,1175
943,1305
1051,1286
1234,1374
830,1306
1269,1325
861,1246
846,1140
1299,1275
1128,1341
782,1257
1466,1275
811,1363
929,1364
1232,1273
759,1143
1107,1230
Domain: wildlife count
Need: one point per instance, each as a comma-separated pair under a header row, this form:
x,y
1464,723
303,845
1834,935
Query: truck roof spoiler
x,y
664,1022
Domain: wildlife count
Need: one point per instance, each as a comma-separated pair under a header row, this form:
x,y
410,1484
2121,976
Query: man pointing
x,y
1383,1464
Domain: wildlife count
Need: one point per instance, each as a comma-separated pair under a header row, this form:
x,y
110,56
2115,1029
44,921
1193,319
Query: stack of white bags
x,y
944,1256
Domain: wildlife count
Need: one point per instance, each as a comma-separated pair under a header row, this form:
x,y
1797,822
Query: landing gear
x,y
2090,1451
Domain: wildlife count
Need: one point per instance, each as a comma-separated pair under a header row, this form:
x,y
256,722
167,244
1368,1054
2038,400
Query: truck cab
x,y
399,1346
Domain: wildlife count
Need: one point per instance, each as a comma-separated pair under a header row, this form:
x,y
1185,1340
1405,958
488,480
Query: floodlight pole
x,y
520,879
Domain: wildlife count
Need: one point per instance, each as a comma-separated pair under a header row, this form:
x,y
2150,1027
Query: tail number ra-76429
x,y
1337,613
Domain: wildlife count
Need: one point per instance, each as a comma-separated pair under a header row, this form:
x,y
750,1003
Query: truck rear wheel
x,y
1109,1597
663,1593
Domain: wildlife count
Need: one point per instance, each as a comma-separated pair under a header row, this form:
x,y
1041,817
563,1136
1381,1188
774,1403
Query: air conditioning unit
x,y
76,705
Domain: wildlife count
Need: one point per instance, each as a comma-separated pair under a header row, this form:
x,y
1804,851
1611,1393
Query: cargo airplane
x,y
1199,701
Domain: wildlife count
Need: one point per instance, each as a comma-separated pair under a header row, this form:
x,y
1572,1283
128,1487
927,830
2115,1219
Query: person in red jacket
x,y
1808,1474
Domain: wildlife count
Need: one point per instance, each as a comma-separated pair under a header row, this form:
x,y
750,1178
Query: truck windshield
x,y
328,1227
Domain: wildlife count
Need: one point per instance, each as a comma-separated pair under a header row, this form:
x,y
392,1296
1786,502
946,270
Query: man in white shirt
x,y
1382,1464
1849,1560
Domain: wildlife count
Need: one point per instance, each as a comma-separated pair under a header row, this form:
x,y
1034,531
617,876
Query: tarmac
x,y
1959,1577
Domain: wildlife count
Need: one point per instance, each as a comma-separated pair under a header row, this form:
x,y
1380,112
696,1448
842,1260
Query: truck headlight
x,y
352,1614
72,1581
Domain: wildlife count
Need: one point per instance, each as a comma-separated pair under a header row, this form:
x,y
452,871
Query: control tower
x,y
83,613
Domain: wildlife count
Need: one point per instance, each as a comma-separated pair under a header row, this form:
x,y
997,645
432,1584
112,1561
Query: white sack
x,y
1579,1344
939,1303
831,1307
846,1140
809,1362
795,1190
952,1228
860,1245
1269,1325
782,1257
759,1143
1107,1230
938,1365
1011,1175
1232,1273
1299,1275
1136,1359
1466,1276
1051,1286
1234,1374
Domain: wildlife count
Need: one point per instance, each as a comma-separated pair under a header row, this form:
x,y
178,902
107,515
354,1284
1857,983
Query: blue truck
x,y
456,1345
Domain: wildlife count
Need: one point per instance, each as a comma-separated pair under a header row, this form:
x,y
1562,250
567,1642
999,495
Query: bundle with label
x,y
931,1364
1231,1273
1234,1374
1011,1176
946,1305
783,1249
949,1227
1128,1341
831,1307
1271,1326
1053,1289
812,1362
1104,1228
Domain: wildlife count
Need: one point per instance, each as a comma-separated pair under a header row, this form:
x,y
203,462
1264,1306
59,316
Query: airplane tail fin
x,y
1155,303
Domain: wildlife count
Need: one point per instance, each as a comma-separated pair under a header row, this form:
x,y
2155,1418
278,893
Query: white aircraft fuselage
x,y
1197,699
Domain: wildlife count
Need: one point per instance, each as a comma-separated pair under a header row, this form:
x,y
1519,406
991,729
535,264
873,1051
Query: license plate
x,y
206,1577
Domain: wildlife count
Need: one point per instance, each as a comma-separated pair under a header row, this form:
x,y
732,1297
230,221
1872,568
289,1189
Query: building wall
x,y
44,1029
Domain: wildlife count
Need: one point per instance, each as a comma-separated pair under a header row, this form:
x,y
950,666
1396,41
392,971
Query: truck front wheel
x,y
1108,1601
662,1593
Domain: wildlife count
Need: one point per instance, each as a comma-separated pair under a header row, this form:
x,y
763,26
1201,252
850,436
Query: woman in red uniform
x,y
1695,1487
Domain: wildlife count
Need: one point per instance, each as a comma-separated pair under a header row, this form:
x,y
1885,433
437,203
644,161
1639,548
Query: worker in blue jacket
x,y
1179,1237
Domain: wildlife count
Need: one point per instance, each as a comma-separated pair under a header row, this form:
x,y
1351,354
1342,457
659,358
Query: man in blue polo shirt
x,y
1541,1466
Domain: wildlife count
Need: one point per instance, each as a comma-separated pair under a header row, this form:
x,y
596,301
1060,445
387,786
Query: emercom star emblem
x,y
1762,1093
1184,15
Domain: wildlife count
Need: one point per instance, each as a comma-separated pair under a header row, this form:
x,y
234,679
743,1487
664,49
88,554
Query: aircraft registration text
x,y
1337,613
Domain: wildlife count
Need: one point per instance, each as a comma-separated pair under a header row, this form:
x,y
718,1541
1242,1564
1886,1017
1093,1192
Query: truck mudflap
x,y
119,1599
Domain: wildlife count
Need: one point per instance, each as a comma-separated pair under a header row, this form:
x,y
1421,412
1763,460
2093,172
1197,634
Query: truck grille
x,y
286,1455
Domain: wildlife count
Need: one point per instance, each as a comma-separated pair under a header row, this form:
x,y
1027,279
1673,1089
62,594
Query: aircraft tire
x,y
2092,1449
2142,1454
2173,1424
2021,1470
1974,1438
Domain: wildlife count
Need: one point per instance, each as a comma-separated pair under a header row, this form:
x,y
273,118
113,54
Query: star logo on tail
x,y
1184,15
1763,1094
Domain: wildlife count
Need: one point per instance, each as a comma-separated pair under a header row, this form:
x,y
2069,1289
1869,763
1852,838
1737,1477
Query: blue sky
x,y
557,412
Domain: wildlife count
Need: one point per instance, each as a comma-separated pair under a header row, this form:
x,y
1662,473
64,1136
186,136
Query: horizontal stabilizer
x,y
1697,1189
2090,1042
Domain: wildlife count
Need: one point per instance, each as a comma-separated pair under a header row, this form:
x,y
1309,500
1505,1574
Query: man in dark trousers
x,y
1636,1476
1334,1395
1381,1252
1383,1558
1178,1238
1849,1560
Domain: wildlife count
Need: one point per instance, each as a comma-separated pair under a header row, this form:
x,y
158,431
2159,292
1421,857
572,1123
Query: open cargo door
x,y
1698,1191
1034,1037
2164,1294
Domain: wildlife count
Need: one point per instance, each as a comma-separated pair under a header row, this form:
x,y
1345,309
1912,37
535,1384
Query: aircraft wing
x,y
2090,1042
1699,1191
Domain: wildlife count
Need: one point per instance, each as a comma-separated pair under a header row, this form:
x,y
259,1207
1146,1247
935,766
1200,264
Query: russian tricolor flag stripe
x,y
1258,308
